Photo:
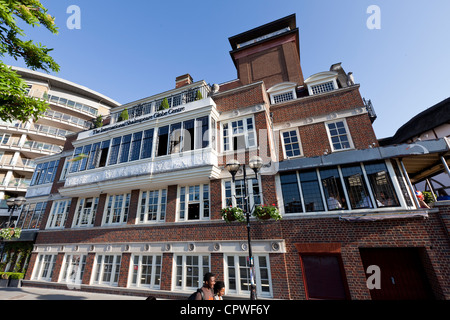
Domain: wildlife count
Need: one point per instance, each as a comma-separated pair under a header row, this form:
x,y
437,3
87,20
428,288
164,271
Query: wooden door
x,y
402,274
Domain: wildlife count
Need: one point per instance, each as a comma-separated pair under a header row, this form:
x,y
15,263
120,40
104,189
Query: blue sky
x,y
134,49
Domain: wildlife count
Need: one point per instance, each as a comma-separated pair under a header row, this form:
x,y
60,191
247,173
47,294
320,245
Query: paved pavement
x,y
27,293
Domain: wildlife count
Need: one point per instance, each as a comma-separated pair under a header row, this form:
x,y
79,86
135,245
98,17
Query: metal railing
x,y
21,162
47,130
80,107
17,183
174,101
55,115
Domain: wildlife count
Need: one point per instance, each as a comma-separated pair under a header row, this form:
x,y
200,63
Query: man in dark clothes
x,y
209,280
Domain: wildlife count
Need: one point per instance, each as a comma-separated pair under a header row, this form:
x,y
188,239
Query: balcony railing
x,y
40,146
174,101
55,115
17,183
64,102
32,145
38,128
21,162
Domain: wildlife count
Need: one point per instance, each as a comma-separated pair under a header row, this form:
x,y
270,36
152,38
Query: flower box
x,y
267,212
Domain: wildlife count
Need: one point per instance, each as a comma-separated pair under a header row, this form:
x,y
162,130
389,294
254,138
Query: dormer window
x,y
322,82
282,92
323,87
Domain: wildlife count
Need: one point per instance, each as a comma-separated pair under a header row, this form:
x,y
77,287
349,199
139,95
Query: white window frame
x,y
246,134
350,140
183,286
277,94
161,207
99,270
73,273
56,215
108,218
284,146
201,201
155,282
238,291
40,267
249,191
83,213
322,83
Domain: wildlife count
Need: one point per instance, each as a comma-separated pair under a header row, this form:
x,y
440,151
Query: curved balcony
x,y
66,121
26,165
31,148
36,131
15,184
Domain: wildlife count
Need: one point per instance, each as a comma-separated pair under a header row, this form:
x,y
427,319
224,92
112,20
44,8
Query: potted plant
x,y
198,96
266,212
230,214
164,104
124,115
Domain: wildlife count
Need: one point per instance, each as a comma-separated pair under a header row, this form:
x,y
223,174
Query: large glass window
x,y
44,173
31,216
356,187
234,193
291,193
339,136
291,144
238,275
107,270
381,185
333,189
86,211
163,141
146,271
147,144
117,209
125,148
194,202
311,191
189,271
73,269
153,206
114,153
239,134
58,214
43,269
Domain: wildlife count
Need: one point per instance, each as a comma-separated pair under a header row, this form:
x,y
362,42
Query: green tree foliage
x,y
14,102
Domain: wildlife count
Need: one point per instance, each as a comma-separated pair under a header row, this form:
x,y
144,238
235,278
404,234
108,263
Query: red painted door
x,y
402,274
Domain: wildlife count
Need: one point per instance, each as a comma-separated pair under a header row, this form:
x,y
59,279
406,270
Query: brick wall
x,y
287,279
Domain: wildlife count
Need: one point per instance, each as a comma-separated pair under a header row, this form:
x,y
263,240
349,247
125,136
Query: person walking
x,y
207,291
219,290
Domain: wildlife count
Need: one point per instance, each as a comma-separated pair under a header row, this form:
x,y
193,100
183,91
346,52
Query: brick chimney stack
x,y
183,80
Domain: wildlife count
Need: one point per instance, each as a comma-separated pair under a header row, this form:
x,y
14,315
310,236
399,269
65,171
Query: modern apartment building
x,y
72,109
135,206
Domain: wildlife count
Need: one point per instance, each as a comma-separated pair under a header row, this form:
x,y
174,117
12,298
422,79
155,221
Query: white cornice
x,y
320,118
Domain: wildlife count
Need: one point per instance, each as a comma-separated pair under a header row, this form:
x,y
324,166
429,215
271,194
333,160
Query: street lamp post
x,y
233,167
14,203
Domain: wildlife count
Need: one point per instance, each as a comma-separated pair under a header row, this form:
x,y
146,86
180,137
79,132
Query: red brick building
x,y
136,204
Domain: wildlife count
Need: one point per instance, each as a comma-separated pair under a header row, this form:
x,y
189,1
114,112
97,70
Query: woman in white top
x,y
219,290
